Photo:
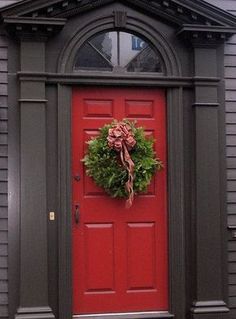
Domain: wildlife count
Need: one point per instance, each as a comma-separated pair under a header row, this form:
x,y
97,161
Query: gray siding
x,y
3,174
3,178
230,103
230,82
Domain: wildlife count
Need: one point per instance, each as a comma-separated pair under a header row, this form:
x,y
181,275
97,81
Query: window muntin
x,y
117,51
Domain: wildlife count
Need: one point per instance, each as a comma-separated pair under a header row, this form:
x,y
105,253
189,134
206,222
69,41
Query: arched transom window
x,y
116,51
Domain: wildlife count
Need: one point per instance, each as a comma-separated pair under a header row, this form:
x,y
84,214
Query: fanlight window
x,y
118,52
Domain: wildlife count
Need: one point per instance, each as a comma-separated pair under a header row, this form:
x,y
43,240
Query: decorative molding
x,y
212,306
40,101
207,35
170,60
128,315
175,12
120,19
178,12
231,227
36,29
203,27
34,313
206,104
96,78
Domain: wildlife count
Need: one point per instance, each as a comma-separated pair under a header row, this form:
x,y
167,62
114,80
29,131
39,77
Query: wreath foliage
x,y
103,164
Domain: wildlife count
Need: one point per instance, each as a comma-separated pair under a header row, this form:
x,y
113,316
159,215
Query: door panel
x,y
119,255
140,246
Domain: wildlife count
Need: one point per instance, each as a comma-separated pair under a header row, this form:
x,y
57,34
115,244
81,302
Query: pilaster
x,y
33,198
209,235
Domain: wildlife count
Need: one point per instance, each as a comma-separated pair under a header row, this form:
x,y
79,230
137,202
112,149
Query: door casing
x,y
175,198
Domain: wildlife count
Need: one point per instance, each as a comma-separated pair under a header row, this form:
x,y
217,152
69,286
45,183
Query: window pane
x,y
130,46
120,50
106,43
145,61
89,58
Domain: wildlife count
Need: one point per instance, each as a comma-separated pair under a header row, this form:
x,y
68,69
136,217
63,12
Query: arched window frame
x,y
170,62
114,55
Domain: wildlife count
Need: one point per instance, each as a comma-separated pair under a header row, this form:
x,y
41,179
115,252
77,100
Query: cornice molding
x,y
37,29
205,35
175,11
194,19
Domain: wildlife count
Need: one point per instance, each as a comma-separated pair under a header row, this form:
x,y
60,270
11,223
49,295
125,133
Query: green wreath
x,y
104,166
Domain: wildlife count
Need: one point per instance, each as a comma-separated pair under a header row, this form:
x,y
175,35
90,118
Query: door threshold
x,y
127,315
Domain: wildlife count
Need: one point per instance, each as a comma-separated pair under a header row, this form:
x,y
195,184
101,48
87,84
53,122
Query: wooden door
x,y
119,255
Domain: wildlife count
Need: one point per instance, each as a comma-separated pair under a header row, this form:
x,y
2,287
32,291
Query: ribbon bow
x,y
121,139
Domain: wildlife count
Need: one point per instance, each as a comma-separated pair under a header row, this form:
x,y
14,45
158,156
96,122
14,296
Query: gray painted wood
x,y
4,3
3,178
230,83
3,175
230,75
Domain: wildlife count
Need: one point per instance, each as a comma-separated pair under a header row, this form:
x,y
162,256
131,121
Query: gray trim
x,y
33,253
34,313
175,12
92,78
206,104
209,194
177,272
4,183
179,100
176,207
213,306
86,29
26,27
128,315
175,152
64,200
14,190
40,101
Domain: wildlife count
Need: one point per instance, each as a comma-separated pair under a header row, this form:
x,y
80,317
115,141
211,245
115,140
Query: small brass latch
x,y
51,216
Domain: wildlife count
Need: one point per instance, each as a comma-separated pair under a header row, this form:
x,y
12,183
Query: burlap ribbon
x,y
121,139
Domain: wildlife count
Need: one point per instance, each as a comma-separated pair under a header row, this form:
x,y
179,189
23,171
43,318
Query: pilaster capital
x,y
205,36
36,29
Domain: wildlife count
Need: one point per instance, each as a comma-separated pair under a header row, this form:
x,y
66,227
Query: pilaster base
x,y
34,313
212,309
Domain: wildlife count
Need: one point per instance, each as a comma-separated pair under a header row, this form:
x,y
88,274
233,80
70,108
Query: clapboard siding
x,y
3,179
3,174
230,104
230,81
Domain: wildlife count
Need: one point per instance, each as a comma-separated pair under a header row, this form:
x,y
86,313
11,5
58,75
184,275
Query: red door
x,y
119,255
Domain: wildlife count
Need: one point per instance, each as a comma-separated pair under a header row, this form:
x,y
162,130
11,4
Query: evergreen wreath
x,y
110,171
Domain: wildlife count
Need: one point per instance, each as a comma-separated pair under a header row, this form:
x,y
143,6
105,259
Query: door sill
x,y
127,315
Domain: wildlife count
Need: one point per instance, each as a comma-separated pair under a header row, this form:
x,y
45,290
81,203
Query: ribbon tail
x,y
129,201
129,164
122,157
